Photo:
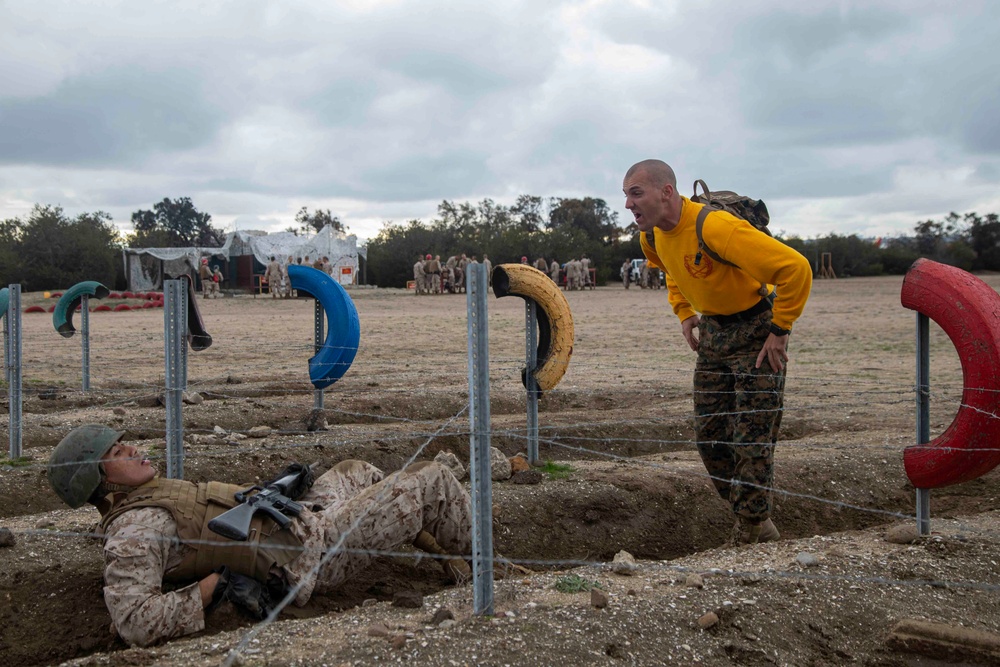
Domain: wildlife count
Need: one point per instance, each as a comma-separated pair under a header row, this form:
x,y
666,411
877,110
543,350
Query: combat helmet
x,y
75,465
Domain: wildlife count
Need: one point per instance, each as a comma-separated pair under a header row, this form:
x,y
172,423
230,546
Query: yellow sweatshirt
x,y
713,288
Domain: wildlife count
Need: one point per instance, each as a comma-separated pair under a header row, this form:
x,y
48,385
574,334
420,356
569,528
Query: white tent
x,y
146,268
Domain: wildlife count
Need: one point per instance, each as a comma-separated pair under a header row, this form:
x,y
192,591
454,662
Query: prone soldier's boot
x,y
455,567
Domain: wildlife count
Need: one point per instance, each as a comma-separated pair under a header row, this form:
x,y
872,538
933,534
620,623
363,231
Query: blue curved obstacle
x,y
62,315
343,326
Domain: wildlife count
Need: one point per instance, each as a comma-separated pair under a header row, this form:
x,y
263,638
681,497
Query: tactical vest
x,y
192,507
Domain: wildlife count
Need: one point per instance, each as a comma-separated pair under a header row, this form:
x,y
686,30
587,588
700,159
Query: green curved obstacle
x,y
4,301
62,316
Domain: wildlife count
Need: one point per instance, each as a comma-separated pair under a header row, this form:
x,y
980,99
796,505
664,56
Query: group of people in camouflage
x,y
737,315
431,276
576,274
276,274
211,280
650,276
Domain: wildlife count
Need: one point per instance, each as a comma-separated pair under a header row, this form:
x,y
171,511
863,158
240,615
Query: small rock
x,y
7,538
398,642
632,592
527,477
120,411
624,563
378,630
408,600
519,463
219,430
316,421
499,465
598,598
369,602
449,623
806,559
708,620
232,379
694,580
259,432
45,523
451,462
441,615
192,398
905,534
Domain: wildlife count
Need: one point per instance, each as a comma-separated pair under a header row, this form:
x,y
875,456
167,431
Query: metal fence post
x,y
175,329
531,386
85,339
923,415
14,394
479,442
318,316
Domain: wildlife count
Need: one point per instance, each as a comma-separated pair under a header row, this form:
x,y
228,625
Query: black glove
x,y
298,488
248,594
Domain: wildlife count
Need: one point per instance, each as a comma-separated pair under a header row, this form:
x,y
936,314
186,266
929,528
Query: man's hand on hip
x,y
690,329
775,350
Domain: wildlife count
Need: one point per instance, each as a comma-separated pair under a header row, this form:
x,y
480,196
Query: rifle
x,y
271,499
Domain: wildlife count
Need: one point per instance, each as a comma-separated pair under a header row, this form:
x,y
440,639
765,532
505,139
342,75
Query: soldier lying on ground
x,y
156,531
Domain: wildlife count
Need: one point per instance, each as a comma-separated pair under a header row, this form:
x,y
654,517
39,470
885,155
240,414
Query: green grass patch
x,y
18,462
574,583
556,470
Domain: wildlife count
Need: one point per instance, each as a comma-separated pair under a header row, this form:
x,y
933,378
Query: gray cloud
x,y
113,116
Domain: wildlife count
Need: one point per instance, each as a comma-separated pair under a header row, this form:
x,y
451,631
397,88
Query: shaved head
x,y
658,171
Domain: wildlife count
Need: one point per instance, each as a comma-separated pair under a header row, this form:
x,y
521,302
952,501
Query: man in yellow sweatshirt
x,y
738,319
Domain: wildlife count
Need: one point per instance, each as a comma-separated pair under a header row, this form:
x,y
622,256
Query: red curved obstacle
x,y
128,295
52,308
968,310
122,306
115,295
55,295
102,308
34,309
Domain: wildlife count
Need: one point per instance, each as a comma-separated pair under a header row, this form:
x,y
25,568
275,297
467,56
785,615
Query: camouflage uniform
x,y
737,411
142,545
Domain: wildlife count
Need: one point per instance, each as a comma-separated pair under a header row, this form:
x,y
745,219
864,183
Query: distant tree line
x,y
49,250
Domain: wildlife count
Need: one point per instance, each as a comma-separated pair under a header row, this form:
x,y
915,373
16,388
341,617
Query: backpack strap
x,y
698,225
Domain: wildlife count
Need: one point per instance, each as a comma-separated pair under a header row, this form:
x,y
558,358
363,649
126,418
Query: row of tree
x,y
49,250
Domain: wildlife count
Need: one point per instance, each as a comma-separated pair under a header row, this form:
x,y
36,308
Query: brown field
x,y
620,417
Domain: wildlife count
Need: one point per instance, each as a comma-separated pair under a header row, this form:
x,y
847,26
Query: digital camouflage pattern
x,y
738,412
142,544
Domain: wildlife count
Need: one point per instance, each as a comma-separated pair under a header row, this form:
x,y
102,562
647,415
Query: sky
x,y
845,117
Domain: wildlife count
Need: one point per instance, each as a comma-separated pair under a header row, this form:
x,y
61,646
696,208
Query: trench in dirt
x,y
658,506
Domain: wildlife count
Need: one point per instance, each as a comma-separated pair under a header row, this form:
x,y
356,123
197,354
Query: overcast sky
x,y
848,117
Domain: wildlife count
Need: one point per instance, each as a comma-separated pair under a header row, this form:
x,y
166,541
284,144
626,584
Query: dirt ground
x,y
826,594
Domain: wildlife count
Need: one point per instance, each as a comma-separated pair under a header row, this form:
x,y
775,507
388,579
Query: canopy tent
x,y
147,268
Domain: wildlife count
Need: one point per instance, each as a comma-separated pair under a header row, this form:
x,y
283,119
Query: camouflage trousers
x,y
374,514
738,412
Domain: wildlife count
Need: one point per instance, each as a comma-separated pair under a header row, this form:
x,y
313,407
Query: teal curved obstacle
x,y
62,316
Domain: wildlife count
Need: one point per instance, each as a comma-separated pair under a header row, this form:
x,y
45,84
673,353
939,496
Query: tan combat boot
x,y
455,568
747,532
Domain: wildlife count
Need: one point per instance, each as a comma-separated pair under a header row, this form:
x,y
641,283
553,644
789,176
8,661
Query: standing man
x,y
542,265
217,282
205,275
627,273
273,277
418,275
741,334
554,271
432,267
585,270
156,530
489,270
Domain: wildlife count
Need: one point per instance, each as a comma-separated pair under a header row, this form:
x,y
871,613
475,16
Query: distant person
x,y
272,276
418,276
585,270
286,280
432,267
524,259
554,271
627,273
542,265
205,275
741,334
216,282
489,270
